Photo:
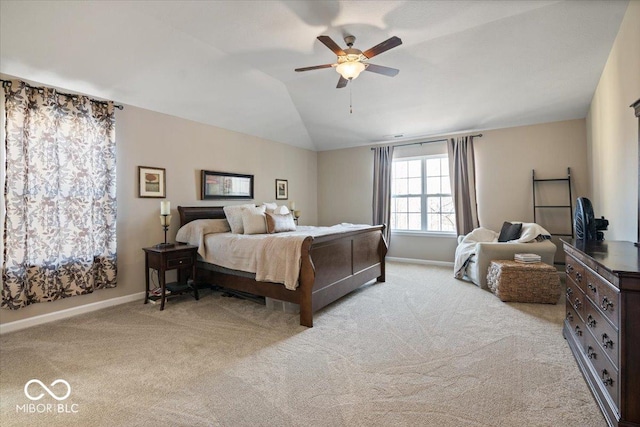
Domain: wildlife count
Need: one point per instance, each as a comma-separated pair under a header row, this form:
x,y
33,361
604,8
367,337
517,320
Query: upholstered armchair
x,y
480,252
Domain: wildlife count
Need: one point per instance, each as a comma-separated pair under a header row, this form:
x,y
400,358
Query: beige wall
x,y
612,132
504,159
345,183
146,138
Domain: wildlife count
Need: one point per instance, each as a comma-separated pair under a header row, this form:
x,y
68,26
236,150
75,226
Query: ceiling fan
x,y
351,62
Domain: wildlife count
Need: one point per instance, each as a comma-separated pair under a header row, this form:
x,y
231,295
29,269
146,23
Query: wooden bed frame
x,y
332,266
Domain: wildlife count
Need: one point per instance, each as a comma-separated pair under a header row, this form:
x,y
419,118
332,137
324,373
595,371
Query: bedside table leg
x,y
146,278
163,288
193,281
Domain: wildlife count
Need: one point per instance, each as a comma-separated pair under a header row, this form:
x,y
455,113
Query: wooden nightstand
x,y
179,257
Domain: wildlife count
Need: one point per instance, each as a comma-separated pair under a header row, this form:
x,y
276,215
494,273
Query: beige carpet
x,y
422,349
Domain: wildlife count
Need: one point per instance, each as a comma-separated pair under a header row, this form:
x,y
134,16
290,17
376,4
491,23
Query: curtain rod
x,y
71,95
428,142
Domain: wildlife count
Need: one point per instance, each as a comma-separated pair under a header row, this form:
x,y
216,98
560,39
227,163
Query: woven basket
x,y
519,282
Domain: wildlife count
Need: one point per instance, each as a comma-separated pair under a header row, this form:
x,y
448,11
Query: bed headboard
x,y
191,213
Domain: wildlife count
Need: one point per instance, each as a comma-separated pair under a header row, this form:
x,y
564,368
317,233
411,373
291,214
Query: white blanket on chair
x,y
467,248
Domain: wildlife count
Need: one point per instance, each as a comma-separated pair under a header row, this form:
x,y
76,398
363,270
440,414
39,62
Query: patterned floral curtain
x,y
60,196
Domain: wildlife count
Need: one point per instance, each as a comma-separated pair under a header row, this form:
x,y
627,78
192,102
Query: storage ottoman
x,y
524,282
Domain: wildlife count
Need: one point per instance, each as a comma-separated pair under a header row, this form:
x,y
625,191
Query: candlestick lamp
x,y
165,221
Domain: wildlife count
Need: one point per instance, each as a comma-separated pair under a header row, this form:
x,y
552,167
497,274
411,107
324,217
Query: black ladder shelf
x,y
568,206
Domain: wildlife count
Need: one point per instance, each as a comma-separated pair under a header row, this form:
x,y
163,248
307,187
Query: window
x,y
421,195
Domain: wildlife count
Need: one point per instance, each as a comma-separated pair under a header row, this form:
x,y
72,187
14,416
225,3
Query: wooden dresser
x,y
602,324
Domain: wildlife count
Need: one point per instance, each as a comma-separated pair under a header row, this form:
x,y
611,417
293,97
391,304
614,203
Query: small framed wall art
x,y
221,185
282,189
152,182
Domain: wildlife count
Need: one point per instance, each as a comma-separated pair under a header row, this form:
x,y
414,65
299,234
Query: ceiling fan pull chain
x,y
350,103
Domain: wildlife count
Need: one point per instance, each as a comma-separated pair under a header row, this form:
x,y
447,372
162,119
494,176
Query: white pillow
x,y
270,207
234,216
193,231
281,210
253,220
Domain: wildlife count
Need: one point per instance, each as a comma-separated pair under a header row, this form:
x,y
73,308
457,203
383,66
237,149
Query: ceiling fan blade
x,y
379,69
342,83
315,67
382,47
328,42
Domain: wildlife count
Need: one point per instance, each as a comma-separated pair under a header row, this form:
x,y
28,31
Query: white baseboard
x,y
420,261
69,312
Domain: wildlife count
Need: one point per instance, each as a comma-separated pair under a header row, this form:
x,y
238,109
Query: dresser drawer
x,y
604,333
605,297
575,271
572,319
575,299
591,288
606,373
575,324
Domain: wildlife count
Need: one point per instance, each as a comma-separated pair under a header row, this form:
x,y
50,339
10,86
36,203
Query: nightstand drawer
x,y
182,261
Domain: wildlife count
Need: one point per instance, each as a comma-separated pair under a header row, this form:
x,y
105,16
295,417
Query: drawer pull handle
x,y
578,331
569,292
606,341
569,268
579,277
569,316
591,354
577,304
591,322
606,304
606,378
591,287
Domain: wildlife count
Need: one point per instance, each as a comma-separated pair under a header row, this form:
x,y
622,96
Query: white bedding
x,y
272,257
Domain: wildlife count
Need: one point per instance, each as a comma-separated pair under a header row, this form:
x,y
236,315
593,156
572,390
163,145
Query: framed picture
x,y
282,189
221,185
152,182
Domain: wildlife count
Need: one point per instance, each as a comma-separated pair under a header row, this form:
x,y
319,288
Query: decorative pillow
x,y
278,223
253,220
510,231
234,216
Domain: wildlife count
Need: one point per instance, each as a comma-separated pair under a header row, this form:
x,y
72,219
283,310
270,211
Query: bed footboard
x,y
338,264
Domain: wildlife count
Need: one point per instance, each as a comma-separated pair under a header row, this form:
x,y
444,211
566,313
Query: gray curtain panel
x,y
382,163
463,183
60,196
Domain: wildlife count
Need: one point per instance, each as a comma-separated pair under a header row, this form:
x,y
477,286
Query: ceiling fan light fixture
x,y
350,69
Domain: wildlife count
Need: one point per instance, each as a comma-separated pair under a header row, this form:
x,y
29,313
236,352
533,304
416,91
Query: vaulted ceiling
x,y
464,65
